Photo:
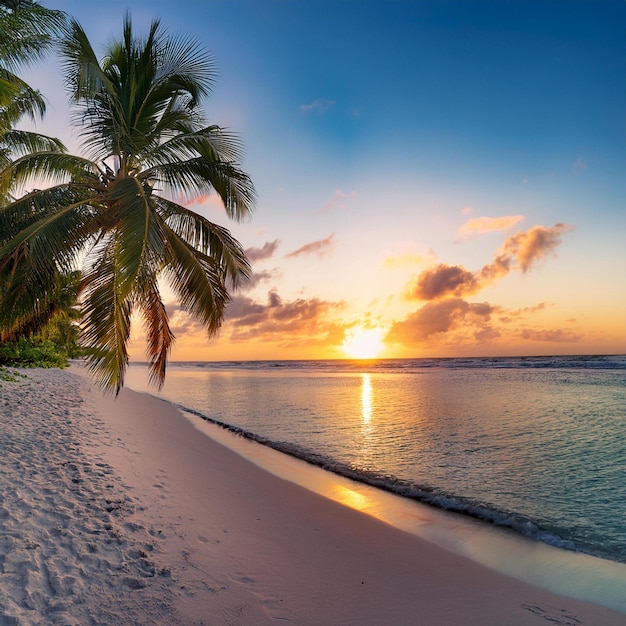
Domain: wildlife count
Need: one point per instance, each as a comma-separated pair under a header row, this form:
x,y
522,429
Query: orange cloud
x,y
321,248
534,244
287,323
456,321
443,280
480,225
554,336
519,251
509,315
442,317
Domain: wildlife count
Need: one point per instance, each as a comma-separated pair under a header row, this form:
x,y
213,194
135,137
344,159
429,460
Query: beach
x,y
121,511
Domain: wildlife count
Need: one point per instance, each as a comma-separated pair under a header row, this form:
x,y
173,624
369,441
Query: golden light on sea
x,y
366,398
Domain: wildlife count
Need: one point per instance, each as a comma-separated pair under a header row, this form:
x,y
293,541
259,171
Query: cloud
x,y
508,315
534,244
262,253
580,165
181,322
321,105
338,200
487,335
480,225
456,322
553,336
257,278
468,210
443,280
210,200
520,251
297,322
442,317
320,248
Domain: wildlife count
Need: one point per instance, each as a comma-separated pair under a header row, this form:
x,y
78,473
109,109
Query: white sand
x,y
121,512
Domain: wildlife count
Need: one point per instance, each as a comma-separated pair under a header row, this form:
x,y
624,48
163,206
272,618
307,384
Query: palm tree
x,y
28,31
118,208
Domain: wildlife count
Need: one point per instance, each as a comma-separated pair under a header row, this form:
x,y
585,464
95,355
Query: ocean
x,y
535,444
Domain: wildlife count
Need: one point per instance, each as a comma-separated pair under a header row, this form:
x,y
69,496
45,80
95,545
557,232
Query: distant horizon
x,y
420,358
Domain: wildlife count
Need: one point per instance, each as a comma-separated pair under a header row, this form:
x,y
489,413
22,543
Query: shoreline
x,y
120,511
570,573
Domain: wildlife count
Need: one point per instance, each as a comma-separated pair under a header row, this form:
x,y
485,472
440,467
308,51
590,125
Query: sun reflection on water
x,y
366,399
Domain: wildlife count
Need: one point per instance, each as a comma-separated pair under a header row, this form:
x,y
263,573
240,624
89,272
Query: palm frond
x,y
17,98
57,295
197,280
20,213
187,66
209,238
213,143
138,235
22,142
106,320
52,166
198,176
23,293
83,75
90,90
58,236
160,338
28,31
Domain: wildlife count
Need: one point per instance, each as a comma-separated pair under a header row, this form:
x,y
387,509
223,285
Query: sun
x,y
363,343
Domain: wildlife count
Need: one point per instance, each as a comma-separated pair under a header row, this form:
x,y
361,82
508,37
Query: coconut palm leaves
x,y
28,31
118,208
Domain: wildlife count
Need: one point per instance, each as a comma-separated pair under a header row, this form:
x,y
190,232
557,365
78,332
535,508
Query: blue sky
x,y
374,131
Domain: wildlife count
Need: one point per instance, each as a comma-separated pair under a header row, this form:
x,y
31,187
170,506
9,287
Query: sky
x,y
435,178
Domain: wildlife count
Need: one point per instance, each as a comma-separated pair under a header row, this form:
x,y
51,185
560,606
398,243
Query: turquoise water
x,y
535,444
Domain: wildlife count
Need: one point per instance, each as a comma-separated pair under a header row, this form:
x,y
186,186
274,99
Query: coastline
x,y
121,511
565,572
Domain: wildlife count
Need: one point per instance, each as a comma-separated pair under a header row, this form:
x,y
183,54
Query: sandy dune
x,y
121,512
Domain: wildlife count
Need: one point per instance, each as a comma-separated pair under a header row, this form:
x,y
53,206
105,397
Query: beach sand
x,y
120,511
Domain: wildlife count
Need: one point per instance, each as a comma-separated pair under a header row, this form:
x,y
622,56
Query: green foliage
x,y
28,32
32,353
47,338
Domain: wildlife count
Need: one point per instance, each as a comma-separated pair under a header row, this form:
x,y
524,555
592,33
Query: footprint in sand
x,y
552,614
242,579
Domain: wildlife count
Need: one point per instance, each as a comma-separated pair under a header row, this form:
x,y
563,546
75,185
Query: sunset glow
x,y
466,202
362,343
